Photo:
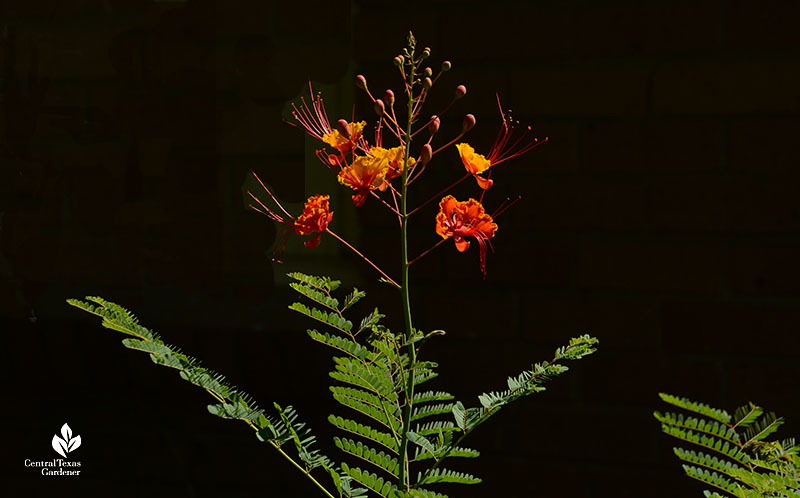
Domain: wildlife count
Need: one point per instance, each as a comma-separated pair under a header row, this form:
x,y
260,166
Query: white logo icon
x,y
66,443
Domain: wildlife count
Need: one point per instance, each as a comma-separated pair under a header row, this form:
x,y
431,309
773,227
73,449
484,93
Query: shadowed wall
x,y
661,217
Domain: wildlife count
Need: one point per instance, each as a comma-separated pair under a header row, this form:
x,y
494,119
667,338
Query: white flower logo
x,y
66,443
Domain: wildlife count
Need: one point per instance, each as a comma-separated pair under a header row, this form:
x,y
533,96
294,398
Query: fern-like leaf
x,y
380,459
383,438
446,475
370,481
720,416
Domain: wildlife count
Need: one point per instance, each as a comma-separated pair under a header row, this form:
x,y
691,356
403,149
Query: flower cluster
x,y
369,169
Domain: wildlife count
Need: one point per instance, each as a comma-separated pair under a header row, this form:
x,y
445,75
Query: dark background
x,y
662,217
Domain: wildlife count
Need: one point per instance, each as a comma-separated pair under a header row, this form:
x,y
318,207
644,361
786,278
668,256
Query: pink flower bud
x,y
446,65
428,72
427,83
461,90
433,124
388,97
468,123
361,81
426,53
343,127
398,61
379,107
425,154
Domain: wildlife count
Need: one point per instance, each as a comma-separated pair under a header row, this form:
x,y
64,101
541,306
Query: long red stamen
x,y
503,147
271,196
314,119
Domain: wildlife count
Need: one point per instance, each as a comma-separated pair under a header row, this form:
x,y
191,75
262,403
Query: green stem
x,y
403,476
301,469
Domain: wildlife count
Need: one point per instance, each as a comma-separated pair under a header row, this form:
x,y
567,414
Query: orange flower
x,y
461,219
505,147
315,219
364,174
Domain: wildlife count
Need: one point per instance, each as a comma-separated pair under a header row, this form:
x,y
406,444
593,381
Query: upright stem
x,y
403,476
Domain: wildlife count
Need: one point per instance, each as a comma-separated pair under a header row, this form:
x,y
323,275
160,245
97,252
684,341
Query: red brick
x,y
761,146
762,25
651,147
726,87
375,39
766,382
470,312
650,267
535,262
551,205
519,31
647,28
621,324
580,91
694,378
731,328
727,207
765,270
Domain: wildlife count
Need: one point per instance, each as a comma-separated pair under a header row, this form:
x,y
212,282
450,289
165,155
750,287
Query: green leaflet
x,y
735,456
353,427
446,475
380,459
232,402
370,481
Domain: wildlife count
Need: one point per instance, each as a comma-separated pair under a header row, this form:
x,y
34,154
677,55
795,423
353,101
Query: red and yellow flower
x,y
364,174
314,219
505,147
394,158
347,141
464,219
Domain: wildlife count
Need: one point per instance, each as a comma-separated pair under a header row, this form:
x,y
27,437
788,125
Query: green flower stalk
x,y
398,433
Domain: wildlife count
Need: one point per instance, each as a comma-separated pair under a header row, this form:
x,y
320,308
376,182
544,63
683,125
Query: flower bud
x,y
343,127
427,83
468,123
426,52
446,65
388,97
426,154
461,90
433,124
428,72
361,82
398,61
379,107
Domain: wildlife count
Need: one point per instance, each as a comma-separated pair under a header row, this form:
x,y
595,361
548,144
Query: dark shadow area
x,y
661,217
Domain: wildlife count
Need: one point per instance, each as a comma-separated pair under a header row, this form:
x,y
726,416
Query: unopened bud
x,y
461,90
428,72
343,127
398,61
446,65
433,124
468,123
426,154
427,83
388,97
379,107
426,52
361,82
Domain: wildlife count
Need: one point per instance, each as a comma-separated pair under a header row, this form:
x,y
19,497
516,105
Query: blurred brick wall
x,y
661,216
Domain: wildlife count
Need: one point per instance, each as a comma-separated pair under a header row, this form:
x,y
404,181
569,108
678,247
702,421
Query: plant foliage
x,y
732,453
370,371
